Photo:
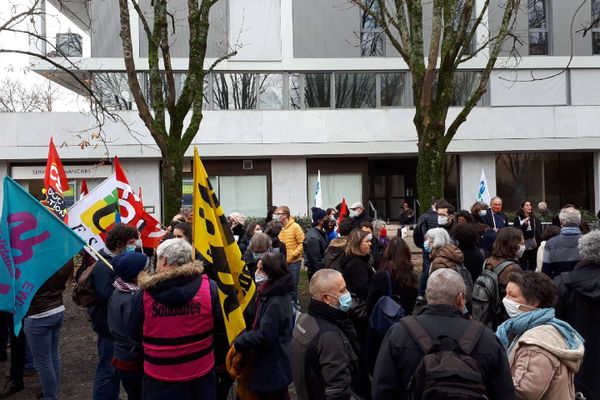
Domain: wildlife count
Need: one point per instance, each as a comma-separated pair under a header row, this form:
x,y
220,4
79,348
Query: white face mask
x,y
276,218
521,251
259,278
512,307
353,214
442,220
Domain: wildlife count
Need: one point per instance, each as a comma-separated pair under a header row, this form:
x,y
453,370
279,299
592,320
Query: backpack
x,y
84,292
485,298
447,370
387,310
420,231
466,275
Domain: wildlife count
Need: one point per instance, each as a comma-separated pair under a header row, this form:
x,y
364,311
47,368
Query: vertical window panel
x,y
355,90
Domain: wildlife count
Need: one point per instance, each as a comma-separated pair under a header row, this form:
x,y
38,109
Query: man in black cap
x,y
315,243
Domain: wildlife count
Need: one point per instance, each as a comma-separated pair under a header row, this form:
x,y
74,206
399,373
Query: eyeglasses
x,y
279,213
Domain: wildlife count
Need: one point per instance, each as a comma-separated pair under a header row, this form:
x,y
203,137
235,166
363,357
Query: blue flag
x,y
34,244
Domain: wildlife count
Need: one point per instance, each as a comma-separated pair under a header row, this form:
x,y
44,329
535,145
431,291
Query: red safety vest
x,y
178,340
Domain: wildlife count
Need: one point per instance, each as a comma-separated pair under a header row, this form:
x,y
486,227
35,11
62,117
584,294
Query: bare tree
x,y
16,97
453,40
163,112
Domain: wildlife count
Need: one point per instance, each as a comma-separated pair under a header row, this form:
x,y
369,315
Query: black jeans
x,y
17,355
5,321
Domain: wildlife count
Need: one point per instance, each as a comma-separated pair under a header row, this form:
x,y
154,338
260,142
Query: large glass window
x,y
112,89
236,91
547,177
596,27
538,27
392,89
465,83
334,187
355,90
270,91
244,194
372,38
310,90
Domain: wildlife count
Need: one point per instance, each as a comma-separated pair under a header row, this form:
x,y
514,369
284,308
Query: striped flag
x,y
215,242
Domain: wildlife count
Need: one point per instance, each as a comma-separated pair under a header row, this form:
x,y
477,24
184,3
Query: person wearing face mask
x,y
445,215
324,348
120,239
251,229
358,214
508,247
544,352
443,322
270,334
487,235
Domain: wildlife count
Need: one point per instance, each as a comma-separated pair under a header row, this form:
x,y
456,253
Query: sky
x,y
16,66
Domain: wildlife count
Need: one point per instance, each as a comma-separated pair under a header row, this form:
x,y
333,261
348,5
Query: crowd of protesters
x,y
502,310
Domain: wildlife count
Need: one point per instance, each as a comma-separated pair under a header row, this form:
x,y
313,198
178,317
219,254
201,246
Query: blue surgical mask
x,y
426,247
257,256
130,248
345,301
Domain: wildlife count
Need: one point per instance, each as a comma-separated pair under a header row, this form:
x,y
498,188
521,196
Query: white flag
x,y
483,192
318,196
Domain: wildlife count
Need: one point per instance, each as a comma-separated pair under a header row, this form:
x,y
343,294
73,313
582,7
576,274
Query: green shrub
x,y
304,221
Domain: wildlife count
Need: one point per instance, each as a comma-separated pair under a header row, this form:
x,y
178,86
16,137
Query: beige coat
x,y
541,365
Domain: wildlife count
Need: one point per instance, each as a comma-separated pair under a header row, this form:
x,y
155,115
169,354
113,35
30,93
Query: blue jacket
x,y
119,313
270,337
561,253
103,277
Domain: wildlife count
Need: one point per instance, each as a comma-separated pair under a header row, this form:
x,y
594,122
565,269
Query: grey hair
x,y
439,237
443,286
589,247
569,217
377,225
177,252
322,281
496,198
260,240
542,204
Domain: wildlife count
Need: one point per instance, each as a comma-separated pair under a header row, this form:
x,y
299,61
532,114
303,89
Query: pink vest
x,y
178,341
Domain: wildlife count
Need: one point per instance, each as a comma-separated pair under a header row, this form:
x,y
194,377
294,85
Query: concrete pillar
x,y
288,182
470,173
3,172
145,173
596,181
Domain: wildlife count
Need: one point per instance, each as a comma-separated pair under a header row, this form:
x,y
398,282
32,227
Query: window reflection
x,y
270,91
234,91
392,89
355,90
112,89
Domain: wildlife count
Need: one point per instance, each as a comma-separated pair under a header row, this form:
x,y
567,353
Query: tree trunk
x,y
172,182
430,167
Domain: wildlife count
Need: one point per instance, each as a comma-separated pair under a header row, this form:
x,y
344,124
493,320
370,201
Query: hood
x,y
448,256
339,243
174,287
585,280
550,339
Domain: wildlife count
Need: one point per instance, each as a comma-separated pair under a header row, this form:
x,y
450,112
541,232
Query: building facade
x,y
317,87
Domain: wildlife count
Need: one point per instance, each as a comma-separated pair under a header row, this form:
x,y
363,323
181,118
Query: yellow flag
x,y
214,240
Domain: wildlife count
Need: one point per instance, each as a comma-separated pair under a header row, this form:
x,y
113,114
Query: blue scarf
x,y
542,316
570,231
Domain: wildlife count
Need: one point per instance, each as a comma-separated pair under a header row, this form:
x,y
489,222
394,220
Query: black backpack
x,y
485,298
420,231
387,310
447,370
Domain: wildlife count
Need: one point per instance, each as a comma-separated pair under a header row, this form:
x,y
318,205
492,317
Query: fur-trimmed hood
x,y
175,286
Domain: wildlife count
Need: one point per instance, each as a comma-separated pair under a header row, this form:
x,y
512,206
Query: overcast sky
x,y
16,66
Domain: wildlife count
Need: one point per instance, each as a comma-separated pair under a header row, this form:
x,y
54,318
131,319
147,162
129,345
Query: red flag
x,y
84,189
55,183
133,213
140,194
343,211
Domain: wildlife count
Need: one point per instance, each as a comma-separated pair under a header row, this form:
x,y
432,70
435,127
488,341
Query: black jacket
x,y
176,288
315,243
102,277
270,337
400,354
536,227
473,260
119,314
357,273
364,216
334,253
324,354
426,221
579,305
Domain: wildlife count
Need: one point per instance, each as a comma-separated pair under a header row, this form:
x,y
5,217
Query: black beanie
x,y
128,265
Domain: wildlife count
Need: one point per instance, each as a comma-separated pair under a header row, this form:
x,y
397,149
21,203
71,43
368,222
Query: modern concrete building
x,y
304,95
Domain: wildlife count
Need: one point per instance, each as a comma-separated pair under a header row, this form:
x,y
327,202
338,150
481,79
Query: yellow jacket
x,y
293,237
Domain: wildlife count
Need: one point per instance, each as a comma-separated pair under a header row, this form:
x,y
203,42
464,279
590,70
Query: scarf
x,y
515,327
570,230
125,287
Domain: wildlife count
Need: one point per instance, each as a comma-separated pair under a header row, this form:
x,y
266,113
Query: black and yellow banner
x,y
214,240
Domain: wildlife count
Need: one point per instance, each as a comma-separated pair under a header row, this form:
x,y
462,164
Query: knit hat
x,y
317,214
356,204
128,265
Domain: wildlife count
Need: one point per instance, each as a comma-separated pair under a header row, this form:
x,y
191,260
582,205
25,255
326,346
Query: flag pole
x,y
93,250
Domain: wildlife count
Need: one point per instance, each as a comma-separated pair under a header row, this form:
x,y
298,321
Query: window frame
x,y
546,30
377,32
596,28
